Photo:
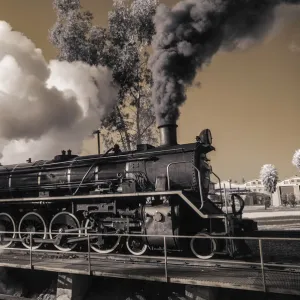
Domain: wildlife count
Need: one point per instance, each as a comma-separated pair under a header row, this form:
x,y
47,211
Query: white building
x,y
253,188
227,184
256,186
289,186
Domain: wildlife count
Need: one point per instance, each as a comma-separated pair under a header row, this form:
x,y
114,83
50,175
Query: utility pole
x,y
98,138
230,180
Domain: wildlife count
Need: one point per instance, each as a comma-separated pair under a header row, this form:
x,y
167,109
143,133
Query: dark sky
x,y
250,100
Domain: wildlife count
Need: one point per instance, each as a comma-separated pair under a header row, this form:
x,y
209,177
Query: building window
x,y
292,181
259,182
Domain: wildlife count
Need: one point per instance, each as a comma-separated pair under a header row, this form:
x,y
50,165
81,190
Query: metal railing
x,y
168,260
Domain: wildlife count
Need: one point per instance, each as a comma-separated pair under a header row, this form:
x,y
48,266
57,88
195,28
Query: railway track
x,y
278,254
253,263
280,276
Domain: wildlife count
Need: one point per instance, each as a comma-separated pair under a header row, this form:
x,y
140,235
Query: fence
x,y
268,269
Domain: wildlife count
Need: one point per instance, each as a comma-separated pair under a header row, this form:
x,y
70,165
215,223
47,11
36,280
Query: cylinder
x,y
168,134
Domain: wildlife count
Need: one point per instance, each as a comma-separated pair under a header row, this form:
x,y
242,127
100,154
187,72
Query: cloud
x,y
46,107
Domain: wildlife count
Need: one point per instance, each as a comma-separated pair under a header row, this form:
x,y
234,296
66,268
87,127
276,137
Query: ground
x,y
274,218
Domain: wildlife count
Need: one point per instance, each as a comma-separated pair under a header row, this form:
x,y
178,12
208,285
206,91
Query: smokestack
x,y
168,134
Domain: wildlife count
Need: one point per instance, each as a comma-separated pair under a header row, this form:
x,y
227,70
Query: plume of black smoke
x,y
189,34
47,107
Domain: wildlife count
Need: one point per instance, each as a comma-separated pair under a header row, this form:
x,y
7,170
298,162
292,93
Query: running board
x,y
94,196
197,210
179,193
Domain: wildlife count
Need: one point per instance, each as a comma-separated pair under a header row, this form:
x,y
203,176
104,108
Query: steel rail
x,y
166,236
172,260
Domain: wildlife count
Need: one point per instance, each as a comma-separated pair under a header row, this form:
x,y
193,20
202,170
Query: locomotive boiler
x,y
120,201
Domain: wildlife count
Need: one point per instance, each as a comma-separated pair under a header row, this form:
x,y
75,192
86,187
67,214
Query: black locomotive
x,y
143,194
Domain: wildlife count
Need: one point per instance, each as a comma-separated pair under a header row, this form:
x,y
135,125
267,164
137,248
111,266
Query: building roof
x,y
230,185
295,180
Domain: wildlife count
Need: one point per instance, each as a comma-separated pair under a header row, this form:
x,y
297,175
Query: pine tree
x,y
269,178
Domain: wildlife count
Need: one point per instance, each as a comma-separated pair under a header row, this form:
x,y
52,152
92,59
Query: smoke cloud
x,y
189,34
45,108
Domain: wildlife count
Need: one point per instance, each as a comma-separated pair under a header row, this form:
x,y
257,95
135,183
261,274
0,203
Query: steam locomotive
x,y
131,198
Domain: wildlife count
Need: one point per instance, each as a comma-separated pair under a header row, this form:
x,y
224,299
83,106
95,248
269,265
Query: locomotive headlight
x,y
205,137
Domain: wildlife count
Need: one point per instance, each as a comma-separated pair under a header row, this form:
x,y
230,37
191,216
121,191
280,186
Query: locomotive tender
x,y
149,192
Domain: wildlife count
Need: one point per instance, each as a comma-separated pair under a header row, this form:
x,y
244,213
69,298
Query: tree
x,y
296,159
284,199
292,199
123,47
269,178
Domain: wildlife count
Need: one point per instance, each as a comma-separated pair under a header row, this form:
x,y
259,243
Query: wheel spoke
x,y
136,245
203,248
103,244
35,225
7,224
59,224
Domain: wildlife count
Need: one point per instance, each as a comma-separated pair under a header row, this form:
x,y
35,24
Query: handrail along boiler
x,y
150,191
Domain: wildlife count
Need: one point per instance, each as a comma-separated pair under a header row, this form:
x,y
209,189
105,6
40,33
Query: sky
x,y
250,100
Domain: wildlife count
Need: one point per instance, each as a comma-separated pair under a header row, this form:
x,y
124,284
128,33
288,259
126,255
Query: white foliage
x,y
132,22
64,6
45,108
269,177
122,45
130,28
296,159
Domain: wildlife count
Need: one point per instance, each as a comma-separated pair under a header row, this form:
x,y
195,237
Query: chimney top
x,y
168,134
